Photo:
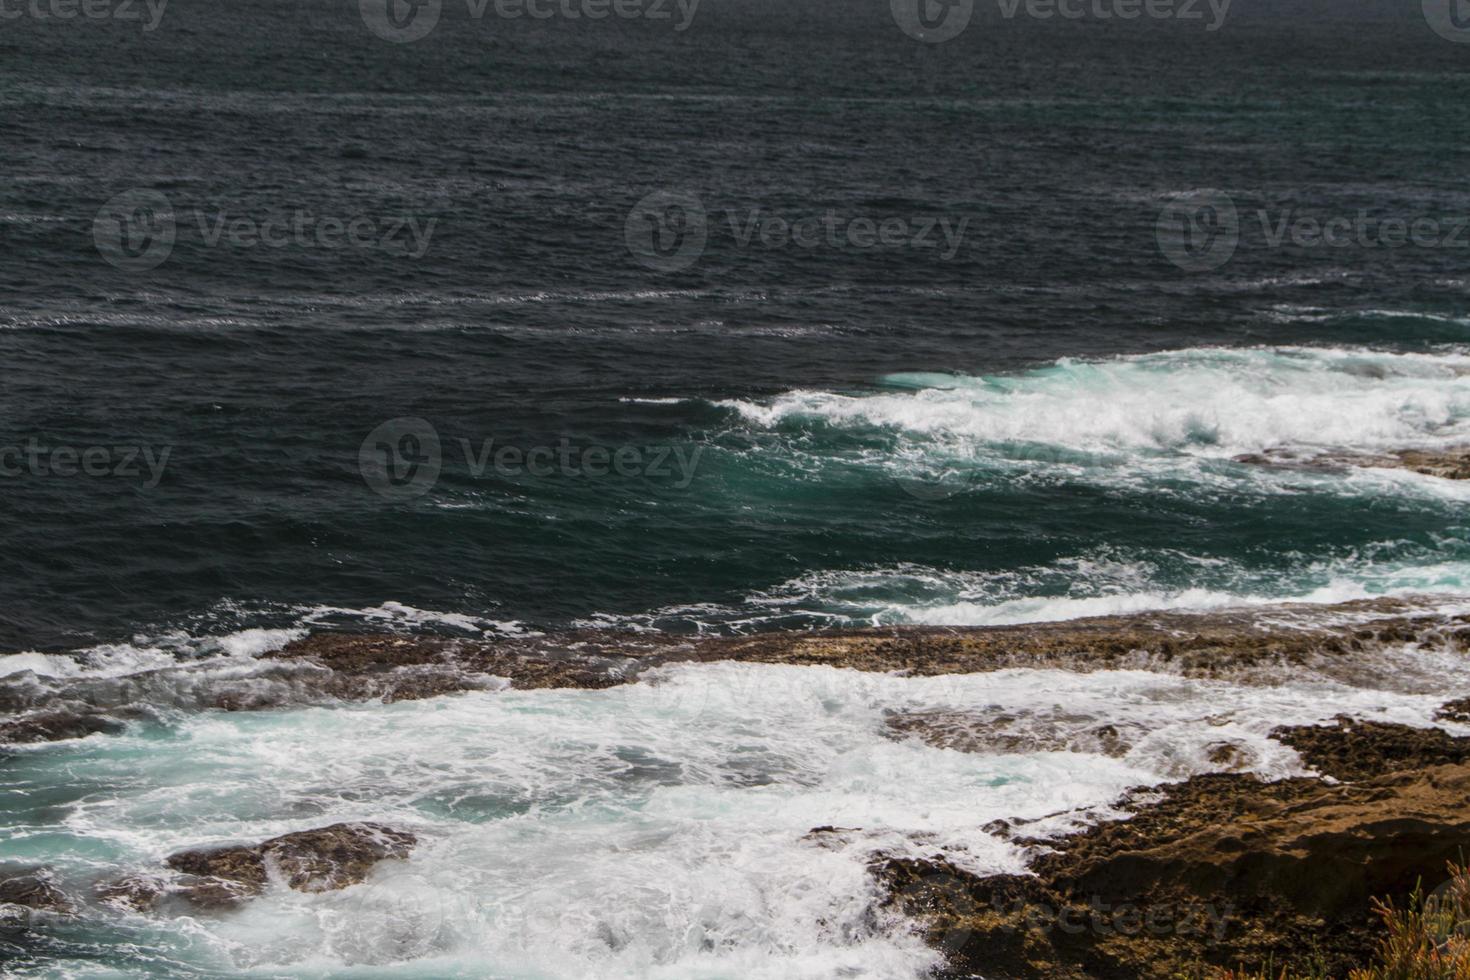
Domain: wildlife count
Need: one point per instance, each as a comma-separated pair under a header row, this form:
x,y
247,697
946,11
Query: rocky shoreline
x,y
1218,871
1221,871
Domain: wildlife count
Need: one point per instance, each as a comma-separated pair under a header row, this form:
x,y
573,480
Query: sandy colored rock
x,y
1446,464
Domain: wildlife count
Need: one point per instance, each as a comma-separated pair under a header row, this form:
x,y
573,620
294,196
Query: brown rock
x,y
1002,732
1225,870
32,888
1448,464
131,892
310,861
1458,711
1362,750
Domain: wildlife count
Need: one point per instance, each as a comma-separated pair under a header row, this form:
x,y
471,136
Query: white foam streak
x,y
1202,402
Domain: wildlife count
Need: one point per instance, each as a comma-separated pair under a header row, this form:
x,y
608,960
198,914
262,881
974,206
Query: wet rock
x,y
132,892
310,861
57,725
399,668
27,889
1452,464
1219,644
1229,756
1362,750
1447,464
1006,732
1222,870
1457,711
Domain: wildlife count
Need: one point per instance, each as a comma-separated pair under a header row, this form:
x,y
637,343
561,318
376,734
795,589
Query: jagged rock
x,y
400,668
30,889
1362,750
318,860
132,892
1457,711
970,731
1222,870
56,725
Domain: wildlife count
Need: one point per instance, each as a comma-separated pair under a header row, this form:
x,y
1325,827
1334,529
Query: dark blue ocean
x,y
495,168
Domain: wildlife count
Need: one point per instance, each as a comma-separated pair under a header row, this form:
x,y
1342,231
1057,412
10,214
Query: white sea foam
x,y
654,830
1206,402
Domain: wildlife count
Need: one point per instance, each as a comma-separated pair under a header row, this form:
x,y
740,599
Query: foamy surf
x,y
1211,403
655,830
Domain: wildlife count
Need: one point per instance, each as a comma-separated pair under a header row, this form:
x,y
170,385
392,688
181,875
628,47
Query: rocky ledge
x,y
1250,644
1217,644
1220,871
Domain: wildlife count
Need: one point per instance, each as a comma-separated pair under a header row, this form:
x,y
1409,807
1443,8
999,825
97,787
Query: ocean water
x,y
575,372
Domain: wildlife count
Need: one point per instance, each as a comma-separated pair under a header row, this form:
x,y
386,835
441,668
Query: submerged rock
x,y
28,889
1223,870
1006,732
318,860
57,725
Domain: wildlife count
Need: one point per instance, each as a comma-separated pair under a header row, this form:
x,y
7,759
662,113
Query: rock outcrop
x,y
318,860
1223,870
28,889
1446,464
